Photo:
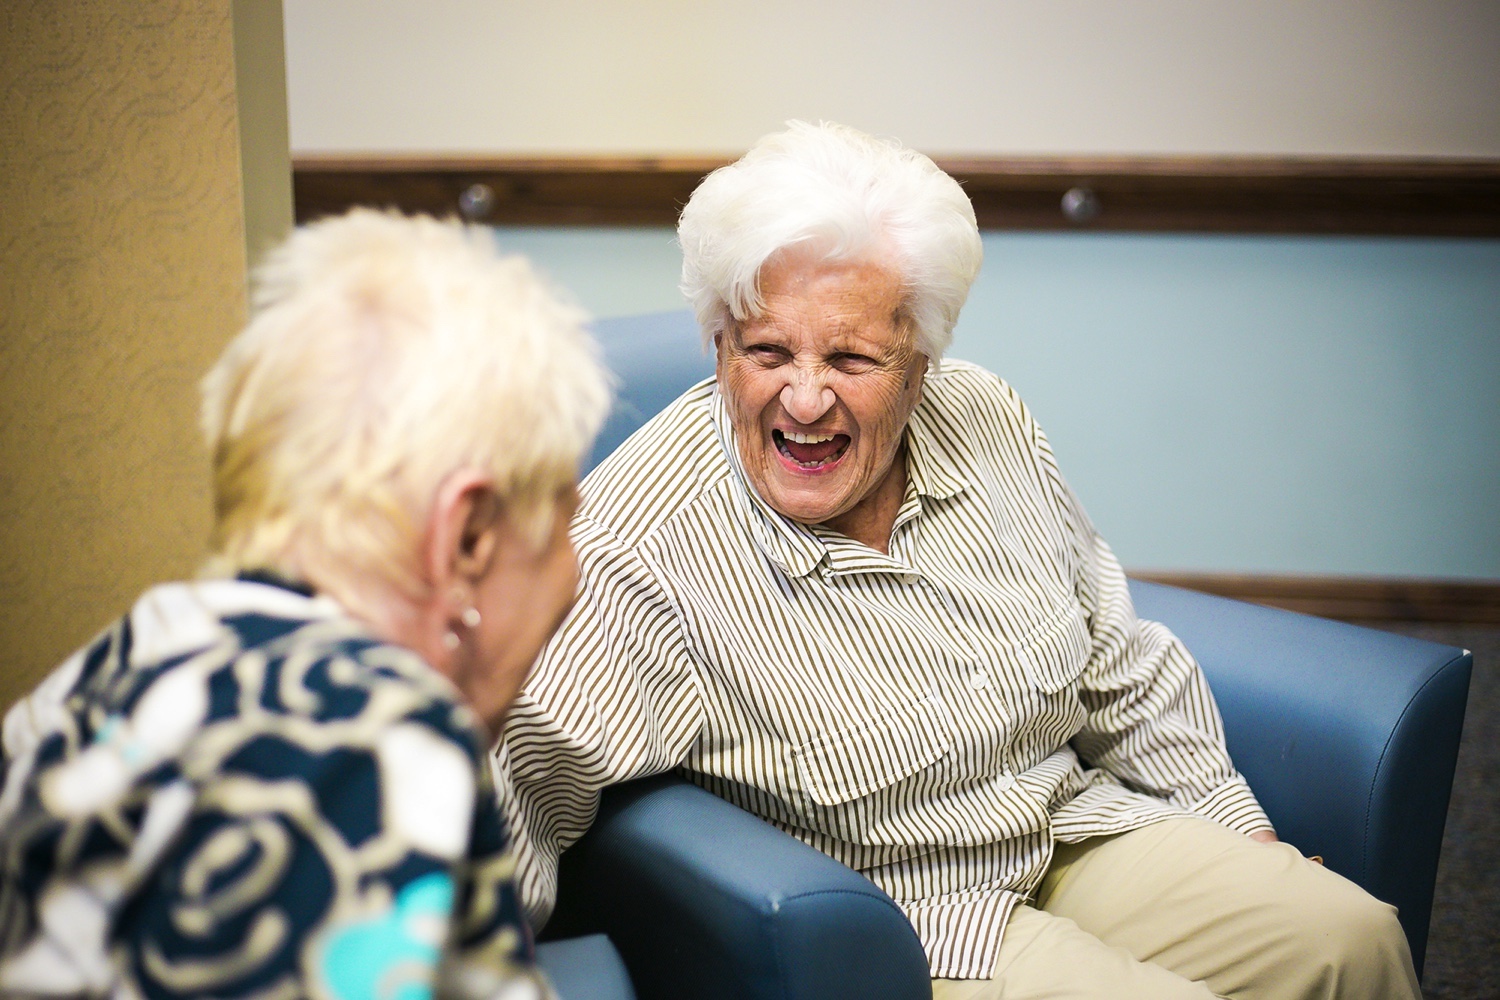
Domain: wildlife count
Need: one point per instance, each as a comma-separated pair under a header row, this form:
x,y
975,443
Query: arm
x,y
1152,721
613,697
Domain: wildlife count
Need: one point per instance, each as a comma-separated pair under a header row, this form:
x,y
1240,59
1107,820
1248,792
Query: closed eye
x,y
766,354
853,364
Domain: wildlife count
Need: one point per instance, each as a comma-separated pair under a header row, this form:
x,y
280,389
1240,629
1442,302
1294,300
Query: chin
x,y
805,497
803,510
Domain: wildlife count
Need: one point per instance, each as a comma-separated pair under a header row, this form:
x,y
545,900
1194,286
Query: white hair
x,y
383,354
833,189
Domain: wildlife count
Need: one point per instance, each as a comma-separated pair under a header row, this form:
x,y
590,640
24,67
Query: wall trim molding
x,y
1352,599
1240,194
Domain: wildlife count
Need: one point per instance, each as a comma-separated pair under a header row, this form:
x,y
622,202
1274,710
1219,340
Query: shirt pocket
x,y
875,753
1056,653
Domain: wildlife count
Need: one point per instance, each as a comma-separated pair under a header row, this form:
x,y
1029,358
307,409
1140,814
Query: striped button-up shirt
x,y
936,717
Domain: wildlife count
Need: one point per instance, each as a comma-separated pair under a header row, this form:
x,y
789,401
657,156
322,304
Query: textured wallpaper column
x,y
122,269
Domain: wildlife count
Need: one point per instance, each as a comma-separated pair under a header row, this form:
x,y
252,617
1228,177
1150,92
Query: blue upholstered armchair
x,y
1349,737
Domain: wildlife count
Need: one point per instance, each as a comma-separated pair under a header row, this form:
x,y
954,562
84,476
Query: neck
x,y
872,519
392,616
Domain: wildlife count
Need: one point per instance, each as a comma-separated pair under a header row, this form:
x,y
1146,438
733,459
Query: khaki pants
x,y
1188,908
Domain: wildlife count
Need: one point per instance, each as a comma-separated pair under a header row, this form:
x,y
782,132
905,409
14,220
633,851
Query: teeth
x,y
808,438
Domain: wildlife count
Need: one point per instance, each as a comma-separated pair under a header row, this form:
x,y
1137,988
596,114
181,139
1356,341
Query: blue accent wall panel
x,y
1261,404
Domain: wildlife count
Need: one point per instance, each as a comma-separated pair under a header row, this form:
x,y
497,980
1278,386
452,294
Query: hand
x,y
1269,837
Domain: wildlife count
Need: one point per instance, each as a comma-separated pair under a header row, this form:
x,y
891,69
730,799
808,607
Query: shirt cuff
x,y
1233,804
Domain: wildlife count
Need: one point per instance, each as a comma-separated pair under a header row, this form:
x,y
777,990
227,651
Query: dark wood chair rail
x,y
1353,599
1395,196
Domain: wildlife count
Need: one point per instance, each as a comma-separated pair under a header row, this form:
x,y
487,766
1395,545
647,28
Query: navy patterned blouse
x,y
237,791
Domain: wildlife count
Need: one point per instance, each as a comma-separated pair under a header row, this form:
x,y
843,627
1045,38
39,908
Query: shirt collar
x,y
798,549
933,467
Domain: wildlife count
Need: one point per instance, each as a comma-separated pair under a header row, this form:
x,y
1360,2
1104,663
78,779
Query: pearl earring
x,y
470,617
450,639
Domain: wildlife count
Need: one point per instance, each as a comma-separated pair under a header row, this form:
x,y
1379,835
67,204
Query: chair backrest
x,y
655,357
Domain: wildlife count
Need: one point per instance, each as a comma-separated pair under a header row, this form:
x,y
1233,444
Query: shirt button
x,y
979,680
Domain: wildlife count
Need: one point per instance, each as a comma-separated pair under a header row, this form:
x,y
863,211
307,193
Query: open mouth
x,y
810,451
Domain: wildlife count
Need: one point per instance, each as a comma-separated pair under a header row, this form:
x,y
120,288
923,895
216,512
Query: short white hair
x,y
383,354
833,189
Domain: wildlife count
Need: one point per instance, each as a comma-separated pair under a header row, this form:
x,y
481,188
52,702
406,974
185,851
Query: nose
x,y
805,398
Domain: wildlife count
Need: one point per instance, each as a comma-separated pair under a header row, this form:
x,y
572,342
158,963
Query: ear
x,y
916,376
463,531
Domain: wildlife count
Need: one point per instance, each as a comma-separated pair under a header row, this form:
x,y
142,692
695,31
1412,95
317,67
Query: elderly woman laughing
x,y
844,585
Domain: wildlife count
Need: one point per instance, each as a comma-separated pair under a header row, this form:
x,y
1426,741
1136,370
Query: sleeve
x,y
1152,721
323,861
613,697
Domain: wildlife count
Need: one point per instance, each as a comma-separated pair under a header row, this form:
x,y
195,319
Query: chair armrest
x,y
1347,735
585,968
705,900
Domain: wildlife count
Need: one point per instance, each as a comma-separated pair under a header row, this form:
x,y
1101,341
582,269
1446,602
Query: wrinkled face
x,y
820,385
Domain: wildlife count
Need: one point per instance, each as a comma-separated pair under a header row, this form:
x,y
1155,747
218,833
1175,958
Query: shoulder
x,y
225,674
324,681
669,464
959,383
229,675
154,664
976,404
309,657
302,693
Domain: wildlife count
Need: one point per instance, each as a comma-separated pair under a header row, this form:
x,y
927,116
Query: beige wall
x,y
122,274
1379,77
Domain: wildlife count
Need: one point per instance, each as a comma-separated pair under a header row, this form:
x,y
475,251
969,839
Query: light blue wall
x,y
1221,403
613,272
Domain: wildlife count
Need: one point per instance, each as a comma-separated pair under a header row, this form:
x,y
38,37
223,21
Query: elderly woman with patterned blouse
x,y
270,782
843,585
